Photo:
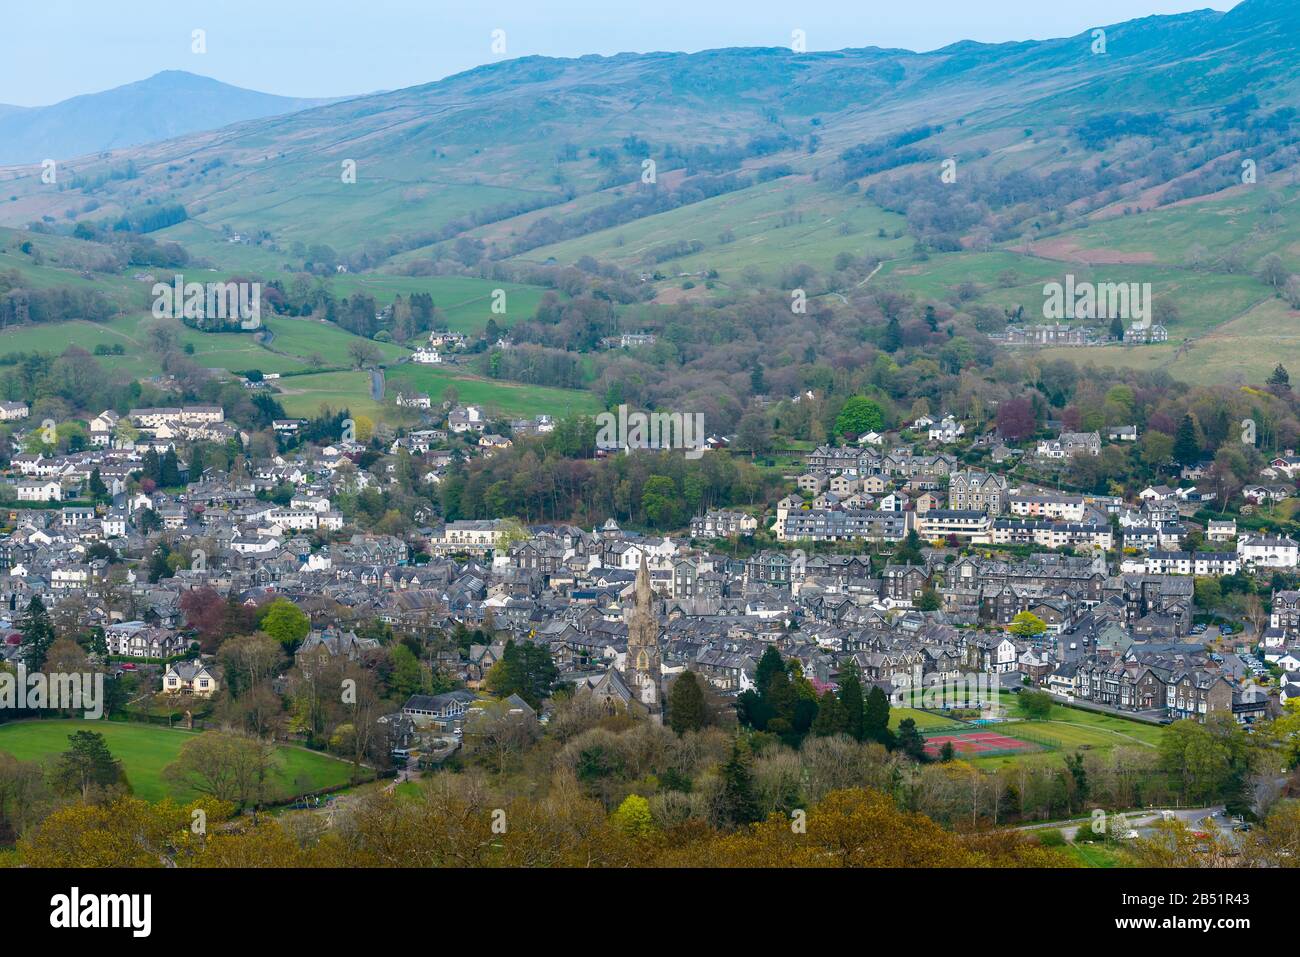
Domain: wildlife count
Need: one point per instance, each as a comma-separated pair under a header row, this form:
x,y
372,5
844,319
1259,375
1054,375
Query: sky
x,y
319,48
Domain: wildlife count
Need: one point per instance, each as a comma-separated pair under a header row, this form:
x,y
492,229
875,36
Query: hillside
x,y
771,170
165,105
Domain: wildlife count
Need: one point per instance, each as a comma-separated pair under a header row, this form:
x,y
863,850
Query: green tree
x,y
686,707
1026,625
37,633
1187,448
285,622
737,804
875,718
98,490
830,718
859,415
929,600
633,816
910,740
86,767
850,690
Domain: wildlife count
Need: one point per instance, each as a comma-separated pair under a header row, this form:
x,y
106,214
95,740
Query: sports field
x,y
977,744
145,750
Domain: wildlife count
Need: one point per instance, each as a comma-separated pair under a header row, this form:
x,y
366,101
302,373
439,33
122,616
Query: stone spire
x,y
642,664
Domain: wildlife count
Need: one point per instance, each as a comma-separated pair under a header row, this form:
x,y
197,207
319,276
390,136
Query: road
x,y
1143,821
377,384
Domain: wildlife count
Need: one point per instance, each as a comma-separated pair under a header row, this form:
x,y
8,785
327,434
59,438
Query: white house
x,y
1268,551
426,356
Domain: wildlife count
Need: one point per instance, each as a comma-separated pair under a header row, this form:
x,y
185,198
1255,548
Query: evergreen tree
x,y
1187,451
947,752
85,766
37,634
892,340
851,700
1117,329
1280,379
830,717
910,741
875,718
769,666
737,805
98,490
909,552
686,708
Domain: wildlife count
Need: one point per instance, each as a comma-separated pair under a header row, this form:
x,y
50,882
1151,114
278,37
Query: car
x,y
1130,835
1242,826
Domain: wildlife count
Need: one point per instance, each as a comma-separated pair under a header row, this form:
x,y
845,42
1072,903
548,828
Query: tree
x,y
892,338
875,718
37,633
1027,626
1016,420
830,719
633,817
1187,448
1034,704
87,767
1280,380
908,551
524,669
285,622
737,805
858,416
98,490
929,600
363,353
226,765
686,707
850,689
910,740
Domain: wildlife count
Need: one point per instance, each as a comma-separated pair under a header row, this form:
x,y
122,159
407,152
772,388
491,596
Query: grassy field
x,y
925,720
510,398
1240,351
145,750
1064,730
771,226
303,396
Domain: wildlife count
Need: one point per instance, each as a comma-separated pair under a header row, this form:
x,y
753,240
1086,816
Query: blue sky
x,y
49,52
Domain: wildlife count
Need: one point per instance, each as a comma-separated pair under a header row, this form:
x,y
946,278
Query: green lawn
x,y
925,720
511,398
145,750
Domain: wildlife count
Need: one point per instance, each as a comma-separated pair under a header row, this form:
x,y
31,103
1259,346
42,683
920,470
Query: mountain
x,y
166,105
521,155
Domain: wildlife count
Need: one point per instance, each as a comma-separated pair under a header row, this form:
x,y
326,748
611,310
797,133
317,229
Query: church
x,y
638,687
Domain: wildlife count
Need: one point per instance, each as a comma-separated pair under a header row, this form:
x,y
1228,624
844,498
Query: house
x,y
190,677
1268,551
947,431
1221,530
978,491
11,411
47,491
441,711
426,356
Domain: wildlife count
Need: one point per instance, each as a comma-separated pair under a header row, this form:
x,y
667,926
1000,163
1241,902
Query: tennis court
x,y
977,743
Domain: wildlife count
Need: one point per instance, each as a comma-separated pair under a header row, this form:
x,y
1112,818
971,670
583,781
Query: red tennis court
x,y
976,742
